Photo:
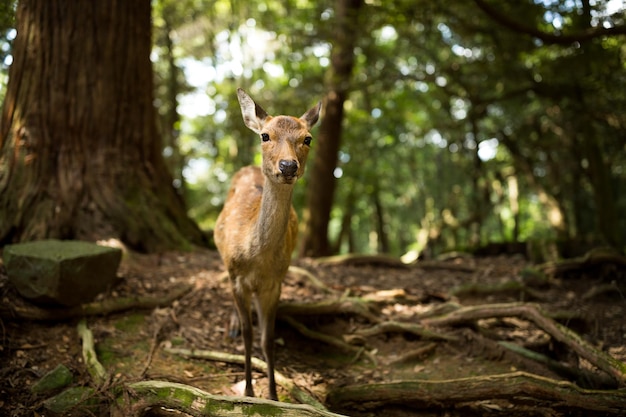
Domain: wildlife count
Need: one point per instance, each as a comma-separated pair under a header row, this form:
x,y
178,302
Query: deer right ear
x,y
253,115
312,115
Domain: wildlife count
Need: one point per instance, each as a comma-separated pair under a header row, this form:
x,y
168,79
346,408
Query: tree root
x,y
594,257
515,387
414,354
398,327
512,287
361,259
533,313
106,306
94,367
315,281
195,402
330,340
287,383
343,305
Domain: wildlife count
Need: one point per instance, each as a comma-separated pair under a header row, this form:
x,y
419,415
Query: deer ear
x,y
253,115
312,115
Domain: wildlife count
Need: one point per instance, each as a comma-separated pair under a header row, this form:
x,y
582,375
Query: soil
x,y
132,345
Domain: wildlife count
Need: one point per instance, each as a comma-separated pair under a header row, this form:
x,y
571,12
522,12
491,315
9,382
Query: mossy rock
x,y
61,273
57,378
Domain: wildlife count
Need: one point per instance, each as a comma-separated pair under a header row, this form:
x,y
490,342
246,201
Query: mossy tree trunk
x,y
80,157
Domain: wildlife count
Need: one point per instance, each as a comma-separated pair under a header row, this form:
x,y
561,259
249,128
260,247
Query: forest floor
x,y
139,344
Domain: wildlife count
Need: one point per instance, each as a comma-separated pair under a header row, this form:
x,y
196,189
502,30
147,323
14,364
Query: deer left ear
x,y
253,115
312,115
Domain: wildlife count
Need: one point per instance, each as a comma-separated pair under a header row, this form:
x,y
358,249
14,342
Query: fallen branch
x,y
533,313
106,306
259,365
515,387
198,403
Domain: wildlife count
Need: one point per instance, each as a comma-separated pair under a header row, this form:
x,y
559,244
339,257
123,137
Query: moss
x,y
262,410
130,322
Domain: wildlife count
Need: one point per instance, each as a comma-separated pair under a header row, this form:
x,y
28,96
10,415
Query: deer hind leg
x,y
266,311
242,303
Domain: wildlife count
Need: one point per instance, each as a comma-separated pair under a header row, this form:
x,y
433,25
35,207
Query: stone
x,y
61,273
59,377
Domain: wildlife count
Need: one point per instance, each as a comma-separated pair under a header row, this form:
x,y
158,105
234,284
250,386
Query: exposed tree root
x,y
106,306
360,259
94,367
135,398
315,281
198,403
288,384
582,377
512,287
435,265
330,340
343,305
533,313
592,258
516,387
414,354
398,327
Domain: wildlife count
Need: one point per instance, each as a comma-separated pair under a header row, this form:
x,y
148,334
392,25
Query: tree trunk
x,y
321,187
80,157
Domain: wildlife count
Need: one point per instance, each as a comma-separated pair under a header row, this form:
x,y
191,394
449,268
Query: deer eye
x,y
265,137
307,140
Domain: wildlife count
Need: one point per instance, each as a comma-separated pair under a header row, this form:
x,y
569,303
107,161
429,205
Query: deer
x,y
256,230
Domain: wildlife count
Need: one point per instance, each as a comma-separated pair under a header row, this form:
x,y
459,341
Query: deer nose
x,y
288,168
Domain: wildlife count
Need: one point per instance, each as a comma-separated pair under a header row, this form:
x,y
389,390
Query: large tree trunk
x,y
80,156
321,187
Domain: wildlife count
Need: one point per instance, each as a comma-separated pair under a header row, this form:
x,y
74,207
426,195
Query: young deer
x,y
256,231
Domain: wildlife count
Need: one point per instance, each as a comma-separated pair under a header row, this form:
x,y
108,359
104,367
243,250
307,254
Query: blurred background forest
x,y
464,122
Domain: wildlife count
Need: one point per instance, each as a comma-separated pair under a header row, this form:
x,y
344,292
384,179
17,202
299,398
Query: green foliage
x,y
449,109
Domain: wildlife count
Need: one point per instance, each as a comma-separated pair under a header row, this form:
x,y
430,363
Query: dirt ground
x,y
132,345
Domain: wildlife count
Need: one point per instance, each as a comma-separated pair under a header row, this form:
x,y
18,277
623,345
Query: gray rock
x,y
65,273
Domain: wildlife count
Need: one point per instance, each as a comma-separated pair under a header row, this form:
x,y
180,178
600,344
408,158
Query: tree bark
x,y
322,182
80,157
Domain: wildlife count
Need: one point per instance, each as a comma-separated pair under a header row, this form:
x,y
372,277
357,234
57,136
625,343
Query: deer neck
x,y
274,215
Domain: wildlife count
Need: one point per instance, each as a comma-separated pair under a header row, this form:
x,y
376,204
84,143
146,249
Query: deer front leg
x,y
242,303
266,311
